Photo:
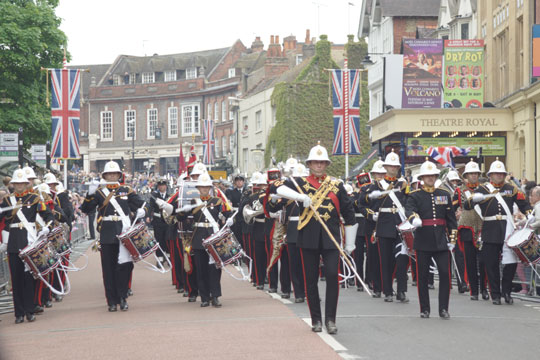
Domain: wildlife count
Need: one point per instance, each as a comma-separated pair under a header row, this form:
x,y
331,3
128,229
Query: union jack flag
x,y
209,143
444,155
65,113
346,105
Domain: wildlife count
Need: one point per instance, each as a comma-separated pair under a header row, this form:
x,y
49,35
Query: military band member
x,y
498,224
205,211
387,198
235,195
330,200
114,202
22,232
433,215
469,227
161,228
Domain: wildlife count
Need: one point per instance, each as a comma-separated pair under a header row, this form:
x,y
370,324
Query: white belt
x,y
157,214
495,217
294,218
234,208
202,225
358,215
112,218
259,220
20,225
389,210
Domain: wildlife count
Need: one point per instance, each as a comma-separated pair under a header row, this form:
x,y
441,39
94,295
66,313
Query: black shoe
x,y
186,294
30,317
216,302
431,286
299,300
360,288
424,314
205,304
444,314
497,301
19,319
485,295
192,299
388,298
129,292
474,297
48,304
38,310
254,284
316,326
286,295
413,283
402,297
331,327
272,290
112,308
508,299
377,294
260,287
463,288
124,305
180,291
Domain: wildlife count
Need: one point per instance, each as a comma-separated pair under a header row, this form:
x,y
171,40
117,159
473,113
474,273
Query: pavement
x,y
160,324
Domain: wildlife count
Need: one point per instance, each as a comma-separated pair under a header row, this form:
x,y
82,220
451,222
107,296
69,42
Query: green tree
x,y
30,39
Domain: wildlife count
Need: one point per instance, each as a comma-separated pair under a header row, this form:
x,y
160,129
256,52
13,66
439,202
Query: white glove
x,y
186,208
375,194
451,246
274,198
375,216
350,238
306,200
477,197
229,222
290,194
140,213
3,247
530,217
43,232
160,203
92,189
275,215
416,222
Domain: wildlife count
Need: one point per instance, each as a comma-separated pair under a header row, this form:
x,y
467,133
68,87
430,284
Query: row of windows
x,y
189,122
169,75
214,113
221,148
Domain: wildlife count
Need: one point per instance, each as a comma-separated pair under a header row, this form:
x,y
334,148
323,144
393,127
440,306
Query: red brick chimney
x,y
275,63
308,38
257,45
274,49
289,43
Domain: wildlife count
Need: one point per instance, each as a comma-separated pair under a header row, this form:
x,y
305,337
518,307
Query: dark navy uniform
x,y
161,228
364,218
494,234
434,207
257,238
22,281
295,261
116,276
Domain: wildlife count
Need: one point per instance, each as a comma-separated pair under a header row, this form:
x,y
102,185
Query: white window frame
x,y
209,111
194,122
223,111
299,58
216,111
223,146
133,78
148,78
102,116
151,123
231,143
172,120
117,80
245,126
169,75
127,117
258,121
232,72
191,73
231,114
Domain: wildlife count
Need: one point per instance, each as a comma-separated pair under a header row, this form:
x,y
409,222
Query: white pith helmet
x,y
198,169
497,167
299,170
50,179
19,177
452,175
471,167
428,168
392,159
318,153
29,172
258,178
378,167
111,167
204,180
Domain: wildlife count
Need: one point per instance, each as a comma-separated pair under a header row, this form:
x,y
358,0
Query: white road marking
x,y
328,339
278,297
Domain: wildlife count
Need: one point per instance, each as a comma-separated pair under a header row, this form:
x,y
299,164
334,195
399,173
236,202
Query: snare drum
x,y
57,239
139,242
406,232
223,247
525,243
40,258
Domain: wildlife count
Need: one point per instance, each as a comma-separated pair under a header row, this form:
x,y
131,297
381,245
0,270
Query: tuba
x,y
251,211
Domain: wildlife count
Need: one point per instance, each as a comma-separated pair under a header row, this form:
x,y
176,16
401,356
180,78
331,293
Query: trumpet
x,y
251,211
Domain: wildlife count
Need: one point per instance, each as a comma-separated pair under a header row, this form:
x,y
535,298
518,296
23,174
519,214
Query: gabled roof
x,y
251,62
412,8
96,72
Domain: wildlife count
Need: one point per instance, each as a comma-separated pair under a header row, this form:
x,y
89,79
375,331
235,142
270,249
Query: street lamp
x,y
132,121
367,60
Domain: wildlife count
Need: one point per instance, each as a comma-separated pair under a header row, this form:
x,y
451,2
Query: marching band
x,y
297,225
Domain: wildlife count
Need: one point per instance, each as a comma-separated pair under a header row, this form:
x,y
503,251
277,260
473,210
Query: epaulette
x,y
445,190
415,191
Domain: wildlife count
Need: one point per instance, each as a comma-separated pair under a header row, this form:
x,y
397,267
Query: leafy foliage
x,y
304,110
30,39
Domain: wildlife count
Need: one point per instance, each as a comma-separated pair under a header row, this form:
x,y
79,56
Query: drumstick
x,y
10,208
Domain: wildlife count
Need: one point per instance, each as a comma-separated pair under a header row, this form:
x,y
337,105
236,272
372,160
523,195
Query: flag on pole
x,y
209,142
181,162
346,110
444,155
65,113
192,157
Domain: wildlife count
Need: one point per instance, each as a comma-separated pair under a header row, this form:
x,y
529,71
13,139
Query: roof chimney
x,y
308,39
257,45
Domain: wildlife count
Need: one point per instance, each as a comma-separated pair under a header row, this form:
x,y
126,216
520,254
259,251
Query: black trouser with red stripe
x,y
260,262
373,272
491,254
297,273
115,276
389,262
310,263
423,262
208,276
161,232
473,265
22,284
176,262
358,256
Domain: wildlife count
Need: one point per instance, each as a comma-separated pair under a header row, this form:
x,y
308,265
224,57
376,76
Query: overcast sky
x,y
100,30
